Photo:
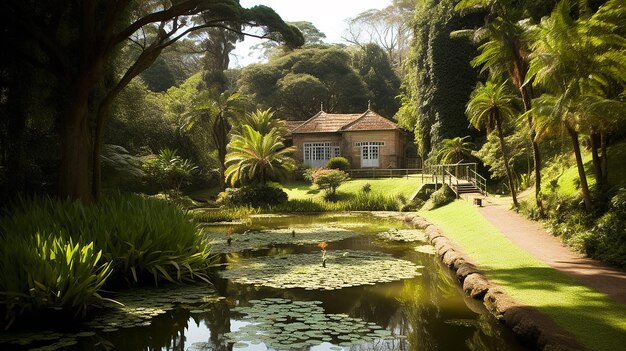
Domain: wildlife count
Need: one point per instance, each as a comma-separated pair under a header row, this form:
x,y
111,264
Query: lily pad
x,y
343,269
404,235
317,327
249,240
427,249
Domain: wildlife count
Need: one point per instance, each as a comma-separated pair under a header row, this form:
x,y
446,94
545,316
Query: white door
x,y
369,156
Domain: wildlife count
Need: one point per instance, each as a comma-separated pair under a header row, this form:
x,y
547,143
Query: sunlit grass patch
x,y
594,318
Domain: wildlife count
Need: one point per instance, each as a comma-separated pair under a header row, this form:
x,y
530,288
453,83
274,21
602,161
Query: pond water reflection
x,y
427,312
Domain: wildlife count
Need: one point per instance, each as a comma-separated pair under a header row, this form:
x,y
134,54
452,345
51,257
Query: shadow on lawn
x,y
596,319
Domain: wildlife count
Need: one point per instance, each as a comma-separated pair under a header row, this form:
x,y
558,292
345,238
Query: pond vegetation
x,y
390,297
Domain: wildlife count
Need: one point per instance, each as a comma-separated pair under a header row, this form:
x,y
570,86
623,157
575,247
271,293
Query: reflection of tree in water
x,y
165,333
217,319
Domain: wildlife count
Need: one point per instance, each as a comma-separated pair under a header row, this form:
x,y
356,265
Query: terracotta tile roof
x,y
370,120
324,122
291,125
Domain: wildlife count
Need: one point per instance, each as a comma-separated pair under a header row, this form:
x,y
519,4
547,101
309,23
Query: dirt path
x,y
533,238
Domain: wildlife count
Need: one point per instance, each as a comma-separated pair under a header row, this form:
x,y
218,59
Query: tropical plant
x,y
504,52
217,115
44,271
580,63
169,170
455,150
255,158
491,106
141,238
263,121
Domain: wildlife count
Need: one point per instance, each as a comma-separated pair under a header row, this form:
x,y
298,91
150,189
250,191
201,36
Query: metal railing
x,y
479,181
460,171
454,186
383,172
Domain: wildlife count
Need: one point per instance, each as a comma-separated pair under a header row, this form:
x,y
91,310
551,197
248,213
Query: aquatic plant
x,y
47,271
283,324
142,238
349,269
403,235
323,245
250,240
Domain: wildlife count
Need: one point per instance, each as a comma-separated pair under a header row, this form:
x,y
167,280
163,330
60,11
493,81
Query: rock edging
x,y
532,327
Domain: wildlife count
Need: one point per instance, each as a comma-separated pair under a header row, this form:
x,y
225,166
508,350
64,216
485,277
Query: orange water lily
x,y
230,231
323,245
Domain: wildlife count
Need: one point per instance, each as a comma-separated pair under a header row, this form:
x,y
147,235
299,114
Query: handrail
x,y
454,188
479,181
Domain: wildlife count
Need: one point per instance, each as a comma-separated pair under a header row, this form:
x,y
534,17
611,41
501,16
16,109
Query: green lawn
x,y
390,186
596,320
569,182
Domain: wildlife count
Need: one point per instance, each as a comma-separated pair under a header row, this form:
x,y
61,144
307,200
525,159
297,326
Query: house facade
x,y
367,140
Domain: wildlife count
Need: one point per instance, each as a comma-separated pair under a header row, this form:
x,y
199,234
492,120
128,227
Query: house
x,y
367,140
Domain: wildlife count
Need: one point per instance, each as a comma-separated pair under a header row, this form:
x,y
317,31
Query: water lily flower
x,y
323,245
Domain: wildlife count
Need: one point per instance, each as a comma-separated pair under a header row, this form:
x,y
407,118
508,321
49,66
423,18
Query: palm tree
x,y
216,114
490,106
255,158
578,63
453,150
263,121
504,52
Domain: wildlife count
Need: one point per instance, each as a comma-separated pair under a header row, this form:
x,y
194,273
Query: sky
x,y
328,16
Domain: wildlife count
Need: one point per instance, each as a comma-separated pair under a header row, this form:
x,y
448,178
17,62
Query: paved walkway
x,y
532,237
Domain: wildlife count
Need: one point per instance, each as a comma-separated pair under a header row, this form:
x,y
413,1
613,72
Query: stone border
x,y
531,327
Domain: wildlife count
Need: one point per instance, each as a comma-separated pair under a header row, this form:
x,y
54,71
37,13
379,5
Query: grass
x,y
388,186
568,181
596,320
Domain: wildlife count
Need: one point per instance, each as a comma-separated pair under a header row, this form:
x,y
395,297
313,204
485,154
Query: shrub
x,y
255,196
142,238
169,170
442,196
366,188
340,163
46,271
329,179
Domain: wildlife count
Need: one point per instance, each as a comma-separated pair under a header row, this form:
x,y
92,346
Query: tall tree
x,y
373,65
504,52
268,48
295,84
579,63
389,28
455,150
218,116
439,78
490,106
78,42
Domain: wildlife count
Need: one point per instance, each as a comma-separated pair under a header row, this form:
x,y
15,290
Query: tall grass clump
x,y
224,214
39,272
142,239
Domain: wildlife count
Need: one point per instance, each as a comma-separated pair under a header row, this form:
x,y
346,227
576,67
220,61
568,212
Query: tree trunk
x,y
506,163
581,168
594,142
76,151
526,98
220,138
604,161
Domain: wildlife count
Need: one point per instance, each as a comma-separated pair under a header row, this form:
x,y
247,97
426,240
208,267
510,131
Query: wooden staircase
x,y
465,188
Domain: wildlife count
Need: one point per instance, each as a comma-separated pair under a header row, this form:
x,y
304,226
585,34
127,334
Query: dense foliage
x,y
439,78
254,196
297,83
60,253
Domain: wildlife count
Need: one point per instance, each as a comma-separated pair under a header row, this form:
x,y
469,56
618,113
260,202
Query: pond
x,y
382,289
